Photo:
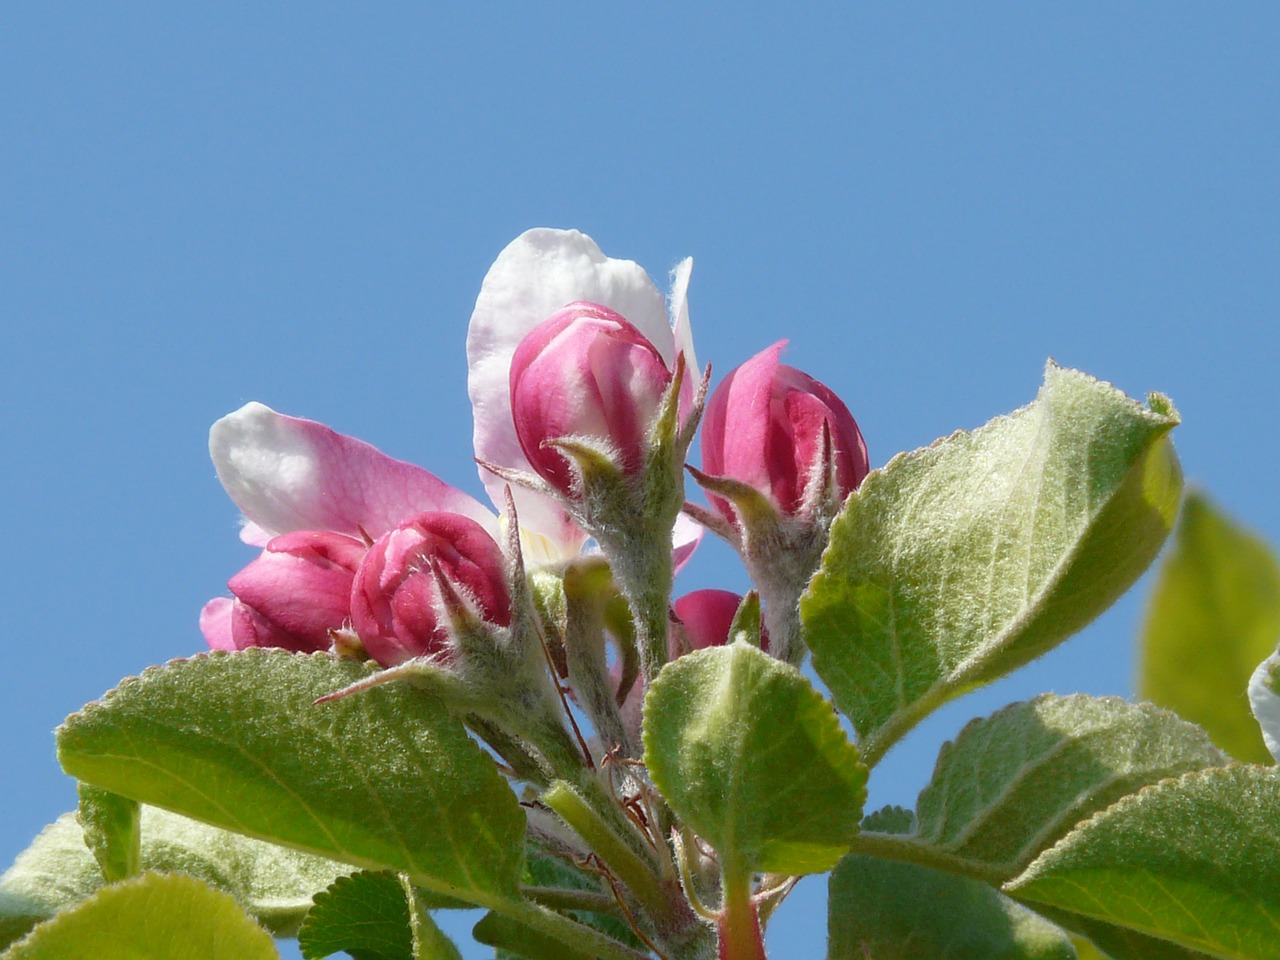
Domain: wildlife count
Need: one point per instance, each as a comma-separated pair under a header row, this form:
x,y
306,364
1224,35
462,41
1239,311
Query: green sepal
x,y
752,757
956,564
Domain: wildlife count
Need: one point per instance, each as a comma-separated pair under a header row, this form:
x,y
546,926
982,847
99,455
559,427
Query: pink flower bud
x,y
707,616
291,596
585,372
399,605
764,427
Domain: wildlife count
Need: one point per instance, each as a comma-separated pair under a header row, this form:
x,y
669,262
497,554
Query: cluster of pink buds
x,y
309,589
586,404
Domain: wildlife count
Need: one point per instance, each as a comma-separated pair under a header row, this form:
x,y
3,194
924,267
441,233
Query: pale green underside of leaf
x,y
900,911
1013,783
1214,614
382,779
272,883
752,757
1264,698
955,564
150,917
1194,860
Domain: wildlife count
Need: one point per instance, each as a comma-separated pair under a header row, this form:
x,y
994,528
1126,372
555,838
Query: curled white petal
x,y
1264,696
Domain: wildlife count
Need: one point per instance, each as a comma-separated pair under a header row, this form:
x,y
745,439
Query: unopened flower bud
x,y
291,596
585,373
707,617
767,424
408,589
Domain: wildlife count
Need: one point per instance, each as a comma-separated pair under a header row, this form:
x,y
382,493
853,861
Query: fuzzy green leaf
x,y
1012,784
1264,697
956,564
754,760
112,831
900,911
273,884
1107,940
1194,860
381,779
373,916
150,917
1214,614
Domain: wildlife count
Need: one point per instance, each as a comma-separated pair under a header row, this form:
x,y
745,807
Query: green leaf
x,y
275,885
1214,614
1194,860
900,911
754,760
151,917
381,779
955,564
373,916
1106,939
112,831
1264,697
1012,784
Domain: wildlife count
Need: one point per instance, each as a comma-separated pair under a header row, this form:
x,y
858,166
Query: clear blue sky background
x,y
204,206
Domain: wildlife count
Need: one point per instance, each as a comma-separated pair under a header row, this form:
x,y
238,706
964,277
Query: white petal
x,y
286,473
683,334
1264,695
537,274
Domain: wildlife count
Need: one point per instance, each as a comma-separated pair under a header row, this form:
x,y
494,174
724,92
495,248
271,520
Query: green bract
x,y
955,564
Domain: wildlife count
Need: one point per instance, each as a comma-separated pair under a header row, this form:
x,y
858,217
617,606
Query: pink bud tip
x,y
764,427
707,616
396,605
291,596
585,372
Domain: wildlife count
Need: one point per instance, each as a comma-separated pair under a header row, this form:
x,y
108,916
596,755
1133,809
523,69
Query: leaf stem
x,y
738,926
569,931
889,846
640,877
563,898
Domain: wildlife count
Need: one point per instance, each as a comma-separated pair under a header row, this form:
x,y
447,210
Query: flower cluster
x,y
584,389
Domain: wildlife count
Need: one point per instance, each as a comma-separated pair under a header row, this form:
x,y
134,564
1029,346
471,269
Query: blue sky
x,y
204,206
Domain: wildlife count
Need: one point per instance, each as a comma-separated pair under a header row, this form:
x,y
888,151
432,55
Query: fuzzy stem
x,y
738,927
615,852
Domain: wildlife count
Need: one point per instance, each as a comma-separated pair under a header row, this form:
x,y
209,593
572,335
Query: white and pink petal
x,y
286,473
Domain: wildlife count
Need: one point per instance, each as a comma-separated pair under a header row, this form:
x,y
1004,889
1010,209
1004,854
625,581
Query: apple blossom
x,y
295,592
765,426
414,573
537,274
588,374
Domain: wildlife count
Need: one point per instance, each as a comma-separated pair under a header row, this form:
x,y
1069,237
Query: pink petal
x,y
215,623
286,474
685,538
539,272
